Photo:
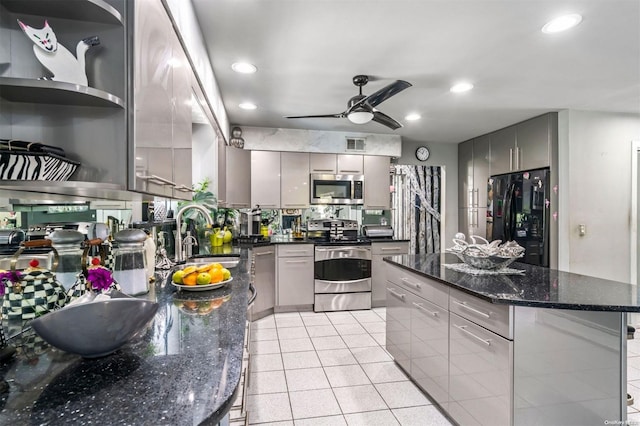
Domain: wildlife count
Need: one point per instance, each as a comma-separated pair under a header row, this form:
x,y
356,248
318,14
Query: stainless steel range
x,y
342,267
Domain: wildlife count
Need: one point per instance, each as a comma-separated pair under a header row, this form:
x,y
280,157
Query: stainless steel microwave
x,y
337,189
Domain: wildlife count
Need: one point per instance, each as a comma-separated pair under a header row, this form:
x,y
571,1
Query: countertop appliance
x,y
377,231
90,229
337,189
342,265
518,209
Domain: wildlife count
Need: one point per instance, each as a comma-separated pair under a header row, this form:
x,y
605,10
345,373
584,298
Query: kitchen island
x,y
539,347
183,369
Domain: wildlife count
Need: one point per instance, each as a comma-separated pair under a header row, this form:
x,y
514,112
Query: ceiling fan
x,y
361,108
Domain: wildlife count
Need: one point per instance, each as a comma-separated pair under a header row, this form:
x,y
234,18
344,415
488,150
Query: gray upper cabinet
x,y
322,163
234,176
162,98
524,146
294,180
465,173
532,141
376,182
265,179
503,145
474,169
349,164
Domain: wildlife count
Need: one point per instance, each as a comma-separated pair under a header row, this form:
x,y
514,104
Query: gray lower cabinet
x,y
430,348
456,347
399,325
379,250
295,276
264,280
480,375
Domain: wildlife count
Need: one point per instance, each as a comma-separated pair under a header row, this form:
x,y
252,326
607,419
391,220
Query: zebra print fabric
x,y
416,207
35,166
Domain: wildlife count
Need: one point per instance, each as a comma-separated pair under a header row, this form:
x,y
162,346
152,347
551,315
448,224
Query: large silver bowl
x,y
95,329
487,262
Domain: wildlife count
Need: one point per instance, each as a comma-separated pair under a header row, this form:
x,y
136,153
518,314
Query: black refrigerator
x,y
518,210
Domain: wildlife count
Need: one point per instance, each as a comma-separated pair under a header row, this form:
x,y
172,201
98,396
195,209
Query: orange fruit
x,y
189,269
216,275
190,279
215,266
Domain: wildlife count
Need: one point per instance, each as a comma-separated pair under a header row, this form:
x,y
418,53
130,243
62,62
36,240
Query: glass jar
x,y
130,264
68,243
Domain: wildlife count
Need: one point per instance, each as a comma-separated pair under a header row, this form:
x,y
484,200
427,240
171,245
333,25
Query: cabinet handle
x,y
264,253
297,251
158,179
184,188
238,204
349,171
407,282
370,207
396,294
268,205
470,198
423,309
323,170
469,308
254,293
463,328
510,159
295,205
296,261
518,160
390,248
477,197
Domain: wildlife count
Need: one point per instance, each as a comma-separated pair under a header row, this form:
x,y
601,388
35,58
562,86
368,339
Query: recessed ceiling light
x,y
244,67
562,23
461,87
247,105
413,117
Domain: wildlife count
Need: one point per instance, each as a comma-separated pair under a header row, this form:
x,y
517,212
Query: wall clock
x,y
422,153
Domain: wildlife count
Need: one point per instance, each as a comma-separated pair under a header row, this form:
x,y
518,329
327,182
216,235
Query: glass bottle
x,y
130,264
68,243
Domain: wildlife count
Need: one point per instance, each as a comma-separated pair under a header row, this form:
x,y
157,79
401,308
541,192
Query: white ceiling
x,y
307,52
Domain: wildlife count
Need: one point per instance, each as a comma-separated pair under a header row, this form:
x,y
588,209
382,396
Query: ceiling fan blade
x,y
385,93
385,120
341,115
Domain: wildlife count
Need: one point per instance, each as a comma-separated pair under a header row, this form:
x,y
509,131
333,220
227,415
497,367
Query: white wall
x,y
595,190
446,156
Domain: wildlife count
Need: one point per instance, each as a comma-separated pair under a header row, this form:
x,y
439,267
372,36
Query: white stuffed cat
x,y
56,58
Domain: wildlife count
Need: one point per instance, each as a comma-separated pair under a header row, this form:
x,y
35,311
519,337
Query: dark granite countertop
x,y
183,369
538,287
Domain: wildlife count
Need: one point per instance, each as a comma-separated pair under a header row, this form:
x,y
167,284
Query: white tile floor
x,y
331,369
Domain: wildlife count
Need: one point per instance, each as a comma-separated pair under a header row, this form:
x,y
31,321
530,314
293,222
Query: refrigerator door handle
x,y
513,216
505,214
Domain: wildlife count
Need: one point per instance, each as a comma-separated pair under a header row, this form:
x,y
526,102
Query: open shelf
x,y
83,10
55,92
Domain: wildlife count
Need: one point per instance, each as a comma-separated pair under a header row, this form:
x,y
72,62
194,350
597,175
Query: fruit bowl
x,y
95,329
205,276
202,287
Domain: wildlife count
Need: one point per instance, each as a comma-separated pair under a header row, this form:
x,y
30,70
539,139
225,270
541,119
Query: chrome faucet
x,y
205,213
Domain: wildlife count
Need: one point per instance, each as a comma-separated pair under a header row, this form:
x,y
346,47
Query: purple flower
x,y
11,276
100,278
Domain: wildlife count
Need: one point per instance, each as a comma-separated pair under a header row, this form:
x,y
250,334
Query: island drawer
x,y
424,287
295,250
390,248
497,318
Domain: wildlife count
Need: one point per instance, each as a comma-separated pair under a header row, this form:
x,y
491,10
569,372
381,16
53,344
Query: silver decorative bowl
x,y
487,262
95,329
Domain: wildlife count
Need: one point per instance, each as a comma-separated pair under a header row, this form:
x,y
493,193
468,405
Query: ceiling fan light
x,y
360,117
